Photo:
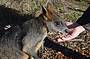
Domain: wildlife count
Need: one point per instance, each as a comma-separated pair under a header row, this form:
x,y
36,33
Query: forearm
x,y
84,20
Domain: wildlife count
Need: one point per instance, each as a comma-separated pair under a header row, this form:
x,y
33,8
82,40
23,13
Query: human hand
x,y
74,30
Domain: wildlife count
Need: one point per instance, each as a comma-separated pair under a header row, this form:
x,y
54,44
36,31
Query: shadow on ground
x,y
66,51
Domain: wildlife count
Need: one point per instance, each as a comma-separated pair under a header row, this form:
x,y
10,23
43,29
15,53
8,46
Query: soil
x,y
75,49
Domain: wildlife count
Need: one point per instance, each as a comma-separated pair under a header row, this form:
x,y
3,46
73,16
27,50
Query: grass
x,y
72,10
67,8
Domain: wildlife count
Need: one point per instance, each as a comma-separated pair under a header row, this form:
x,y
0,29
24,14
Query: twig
x,y
77,40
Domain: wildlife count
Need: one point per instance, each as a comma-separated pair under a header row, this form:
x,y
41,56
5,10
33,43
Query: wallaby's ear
x,y
44,10
50,7
48,12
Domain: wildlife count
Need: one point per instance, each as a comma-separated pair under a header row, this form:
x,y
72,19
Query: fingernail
x,y
63,38
59,40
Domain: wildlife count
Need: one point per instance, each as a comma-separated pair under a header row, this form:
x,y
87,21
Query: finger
x,y
60,40
71,35
68,37
68,23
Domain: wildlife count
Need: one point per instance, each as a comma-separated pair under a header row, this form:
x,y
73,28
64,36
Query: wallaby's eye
x,y
57,23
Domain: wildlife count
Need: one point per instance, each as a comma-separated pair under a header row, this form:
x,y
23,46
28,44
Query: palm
x,y
74,30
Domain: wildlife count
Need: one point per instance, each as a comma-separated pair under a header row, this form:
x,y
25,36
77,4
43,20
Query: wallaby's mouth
x,y
67,30
63,33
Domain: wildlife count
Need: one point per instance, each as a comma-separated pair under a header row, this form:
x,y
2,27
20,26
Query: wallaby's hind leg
x,y
42,48
36,48
31,51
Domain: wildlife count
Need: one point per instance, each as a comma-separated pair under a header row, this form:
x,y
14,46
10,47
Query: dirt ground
x,y
68,10
76,49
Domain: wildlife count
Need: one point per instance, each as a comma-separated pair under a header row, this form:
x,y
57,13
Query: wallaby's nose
x,y
64,31
67,30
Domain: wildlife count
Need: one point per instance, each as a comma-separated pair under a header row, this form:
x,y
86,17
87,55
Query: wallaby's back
x,y
10,44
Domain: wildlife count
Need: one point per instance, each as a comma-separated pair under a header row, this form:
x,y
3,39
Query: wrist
x,y
74,25
78,26
81,27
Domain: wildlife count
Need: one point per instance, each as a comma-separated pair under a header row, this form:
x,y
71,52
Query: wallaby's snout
x,y
59,26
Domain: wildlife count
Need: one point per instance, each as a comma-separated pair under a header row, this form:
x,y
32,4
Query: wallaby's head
x,y
52,20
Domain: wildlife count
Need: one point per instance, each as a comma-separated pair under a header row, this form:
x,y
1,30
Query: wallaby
x,y
15,45
36,29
